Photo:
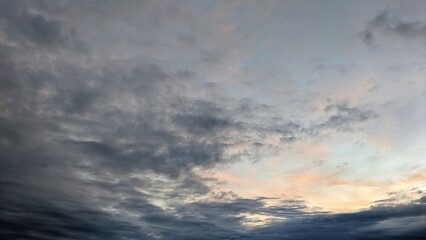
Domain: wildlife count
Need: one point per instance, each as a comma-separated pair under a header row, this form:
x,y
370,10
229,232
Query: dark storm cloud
x,y
385,23
26,217
45,111
393,222
89,143
68,218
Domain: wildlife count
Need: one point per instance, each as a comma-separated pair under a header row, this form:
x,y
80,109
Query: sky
x,y
212,120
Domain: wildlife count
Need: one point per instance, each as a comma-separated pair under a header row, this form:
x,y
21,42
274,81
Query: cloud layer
x,y
112,115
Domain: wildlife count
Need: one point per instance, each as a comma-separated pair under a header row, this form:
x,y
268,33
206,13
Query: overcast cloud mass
x,y
212,120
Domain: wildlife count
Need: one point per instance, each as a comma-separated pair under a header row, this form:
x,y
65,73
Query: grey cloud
x,y
67,219
201,124
368,38
290,132
385,23
8,70
88,142
375,223
101,145
24,216
77,102
25,27
339,117
345,115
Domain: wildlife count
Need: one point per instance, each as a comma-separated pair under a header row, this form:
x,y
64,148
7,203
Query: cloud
x,y
384,23
98,148
68,219
30,218
107,111
345,115
339,117
374,223
24,26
